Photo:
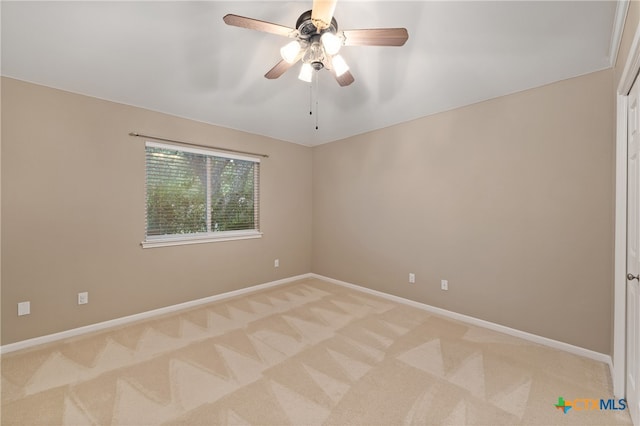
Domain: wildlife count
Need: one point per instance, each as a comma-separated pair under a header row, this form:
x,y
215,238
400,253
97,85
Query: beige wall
x,y
510,200
73,214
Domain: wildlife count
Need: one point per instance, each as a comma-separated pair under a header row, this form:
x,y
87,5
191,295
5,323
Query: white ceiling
x,y
180,58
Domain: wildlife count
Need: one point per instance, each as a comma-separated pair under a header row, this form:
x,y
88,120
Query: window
x,y
195,195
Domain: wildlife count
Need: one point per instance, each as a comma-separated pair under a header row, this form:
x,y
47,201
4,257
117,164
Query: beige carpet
x,y
303,354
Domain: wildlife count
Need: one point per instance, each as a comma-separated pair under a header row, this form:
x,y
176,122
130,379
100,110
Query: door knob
x,y
632,277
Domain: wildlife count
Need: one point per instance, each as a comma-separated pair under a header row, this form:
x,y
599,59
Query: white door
x,y
633,256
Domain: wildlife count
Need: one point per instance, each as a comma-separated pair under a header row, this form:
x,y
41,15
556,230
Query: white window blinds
x,y
196,195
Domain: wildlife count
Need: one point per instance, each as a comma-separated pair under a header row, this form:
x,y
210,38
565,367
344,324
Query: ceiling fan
x,y
317,41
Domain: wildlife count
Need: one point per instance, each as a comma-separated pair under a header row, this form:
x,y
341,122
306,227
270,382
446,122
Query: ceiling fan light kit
x,y
317,41
315,55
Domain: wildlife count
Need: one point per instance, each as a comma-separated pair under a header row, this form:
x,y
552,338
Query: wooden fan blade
x,y
279,69
255,24
345,79
376,37
282,67
322,12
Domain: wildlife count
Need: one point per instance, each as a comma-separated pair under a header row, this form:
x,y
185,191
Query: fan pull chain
x,y
317,93
313,95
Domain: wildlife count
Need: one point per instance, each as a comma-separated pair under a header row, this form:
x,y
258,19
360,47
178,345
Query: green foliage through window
x,y
190,192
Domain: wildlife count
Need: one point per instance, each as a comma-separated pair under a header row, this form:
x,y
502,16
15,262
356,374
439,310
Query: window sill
x,y
167,241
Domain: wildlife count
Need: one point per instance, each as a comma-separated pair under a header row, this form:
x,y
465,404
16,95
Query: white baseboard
x,y
576,350
24,344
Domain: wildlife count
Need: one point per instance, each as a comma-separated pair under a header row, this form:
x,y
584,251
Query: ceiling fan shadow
x,y
259,91
201,49
393,63
202,58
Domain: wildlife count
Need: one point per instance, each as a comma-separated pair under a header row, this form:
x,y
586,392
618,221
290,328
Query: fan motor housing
x,y
307,29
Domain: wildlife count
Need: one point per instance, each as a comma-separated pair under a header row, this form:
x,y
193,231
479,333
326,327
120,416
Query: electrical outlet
x,y
83,298
24,308
412,278
276,263
444,285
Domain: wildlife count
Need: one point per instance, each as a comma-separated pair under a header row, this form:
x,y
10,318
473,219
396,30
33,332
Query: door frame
x,y
628,77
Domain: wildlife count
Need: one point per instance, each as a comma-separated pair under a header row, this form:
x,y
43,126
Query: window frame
x,y
151,241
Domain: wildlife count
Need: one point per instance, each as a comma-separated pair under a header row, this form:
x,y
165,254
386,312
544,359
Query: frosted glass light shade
x,y
331,43
289,51
306,73
339,65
